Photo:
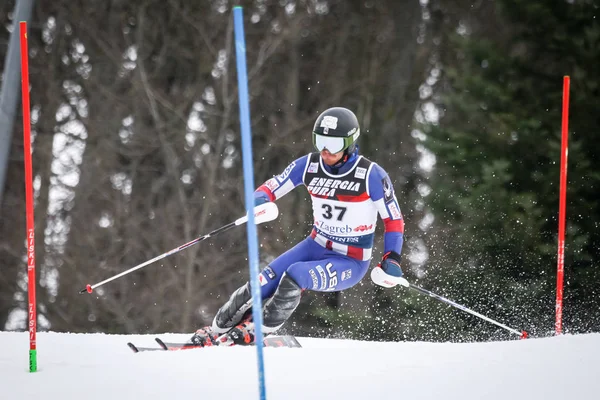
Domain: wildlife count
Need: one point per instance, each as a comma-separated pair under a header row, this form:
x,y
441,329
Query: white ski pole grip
x,y
264,213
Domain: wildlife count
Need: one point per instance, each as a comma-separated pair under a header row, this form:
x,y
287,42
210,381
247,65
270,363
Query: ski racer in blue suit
x,y
347,191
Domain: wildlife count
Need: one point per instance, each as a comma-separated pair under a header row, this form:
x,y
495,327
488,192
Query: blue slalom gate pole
x,y
240,54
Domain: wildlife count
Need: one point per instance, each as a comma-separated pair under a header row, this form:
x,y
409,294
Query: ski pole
x,y
262,213
522,334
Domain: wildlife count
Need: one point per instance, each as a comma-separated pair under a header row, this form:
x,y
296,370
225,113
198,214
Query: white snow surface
x,y
99,366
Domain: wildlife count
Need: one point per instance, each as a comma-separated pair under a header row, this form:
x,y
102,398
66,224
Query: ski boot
x,y
241,335
205,337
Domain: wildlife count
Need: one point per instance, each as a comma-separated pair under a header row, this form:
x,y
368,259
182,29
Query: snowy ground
x,y
96,366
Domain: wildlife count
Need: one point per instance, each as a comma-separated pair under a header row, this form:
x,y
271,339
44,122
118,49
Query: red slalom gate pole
x,y
31,309
564,152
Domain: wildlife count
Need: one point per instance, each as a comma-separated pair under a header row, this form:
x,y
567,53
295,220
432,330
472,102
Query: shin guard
x,y
281,306
232,312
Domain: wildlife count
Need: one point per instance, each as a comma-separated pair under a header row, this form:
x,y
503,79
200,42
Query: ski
x,y
137,349
176,346
281,341
163,346
269,341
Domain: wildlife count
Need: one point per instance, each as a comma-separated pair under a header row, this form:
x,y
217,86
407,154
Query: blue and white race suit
x,y
337,253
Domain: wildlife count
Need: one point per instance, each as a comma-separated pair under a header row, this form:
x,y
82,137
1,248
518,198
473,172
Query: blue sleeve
x,y
293,172
282,184
382,193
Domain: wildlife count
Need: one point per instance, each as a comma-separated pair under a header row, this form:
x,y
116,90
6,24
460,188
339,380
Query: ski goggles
x,y
332,143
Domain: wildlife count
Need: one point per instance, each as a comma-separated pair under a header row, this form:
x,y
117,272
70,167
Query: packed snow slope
x,y
97,366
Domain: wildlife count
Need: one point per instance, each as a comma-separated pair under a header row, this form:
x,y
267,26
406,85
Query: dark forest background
x,y
137,150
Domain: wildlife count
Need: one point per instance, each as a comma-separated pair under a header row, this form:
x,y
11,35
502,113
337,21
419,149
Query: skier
x,y
347,191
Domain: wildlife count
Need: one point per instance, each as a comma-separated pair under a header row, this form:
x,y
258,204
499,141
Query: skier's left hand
x,y
388,272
